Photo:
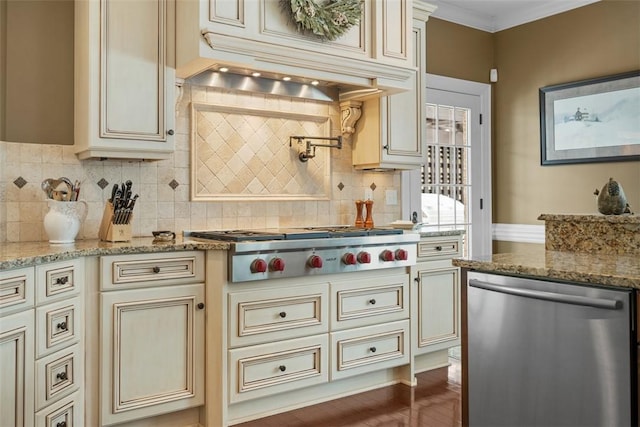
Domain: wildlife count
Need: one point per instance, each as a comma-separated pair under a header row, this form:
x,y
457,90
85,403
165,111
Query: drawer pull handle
x,y
62,376
200,305
372,301
438,248
283,314
282,368
156,269
62,326
373,349
61,424
62,280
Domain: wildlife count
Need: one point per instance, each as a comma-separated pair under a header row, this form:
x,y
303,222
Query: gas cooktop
x,y
292,233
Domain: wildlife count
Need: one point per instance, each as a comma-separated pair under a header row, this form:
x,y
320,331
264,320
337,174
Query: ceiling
x,y
497,15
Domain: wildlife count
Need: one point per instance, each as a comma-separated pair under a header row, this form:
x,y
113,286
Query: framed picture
x,y
596,120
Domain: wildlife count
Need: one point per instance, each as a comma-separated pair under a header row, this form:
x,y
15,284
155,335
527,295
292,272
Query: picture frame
x,y
595,120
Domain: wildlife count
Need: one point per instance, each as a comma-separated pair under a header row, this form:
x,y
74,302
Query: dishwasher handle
x,y
609,304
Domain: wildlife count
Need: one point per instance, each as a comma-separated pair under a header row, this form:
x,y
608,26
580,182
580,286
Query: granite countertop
x,y
13,255
603,269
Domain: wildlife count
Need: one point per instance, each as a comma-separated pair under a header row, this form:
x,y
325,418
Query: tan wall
x,y
37,104
596,40
457,51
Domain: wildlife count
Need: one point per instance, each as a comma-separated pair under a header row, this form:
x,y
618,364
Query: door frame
x,y
410,180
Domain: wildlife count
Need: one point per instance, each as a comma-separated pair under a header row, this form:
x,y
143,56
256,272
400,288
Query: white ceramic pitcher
x,y
62,222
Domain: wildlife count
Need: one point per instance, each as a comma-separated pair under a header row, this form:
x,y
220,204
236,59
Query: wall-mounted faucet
x,y
310,150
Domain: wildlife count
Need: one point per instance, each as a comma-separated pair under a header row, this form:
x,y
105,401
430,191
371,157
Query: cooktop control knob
x,y
349,258
364,257
387,255
314,261
258,266
402,255
276,264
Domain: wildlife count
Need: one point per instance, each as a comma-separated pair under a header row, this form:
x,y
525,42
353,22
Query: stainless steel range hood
x,y
271,84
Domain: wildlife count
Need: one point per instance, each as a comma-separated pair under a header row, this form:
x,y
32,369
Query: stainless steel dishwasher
x,y
543,353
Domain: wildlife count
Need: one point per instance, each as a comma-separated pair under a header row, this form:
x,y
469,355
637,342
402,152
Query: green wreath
x,y
327,21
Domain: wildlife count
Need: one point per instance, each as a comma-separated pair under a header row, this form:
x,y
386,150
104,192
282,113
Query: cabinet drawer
x,y
441,247
273,314
266,369
369,301
171,268
58,325
59,279
16,290
358,351
58,375
68,412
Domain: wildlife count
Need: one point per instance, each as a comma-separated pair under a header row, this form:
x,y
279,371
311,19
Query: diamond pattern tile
x,y
20,182
244,153
103,183
174,184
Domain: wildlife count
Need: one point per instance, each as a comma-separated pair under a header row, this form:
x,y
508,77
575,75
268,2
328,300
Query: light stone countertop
x,y
602,269
14,255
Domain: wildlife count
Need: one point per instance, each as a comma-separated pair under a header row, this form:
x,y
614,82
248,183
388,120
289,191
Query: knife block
x,y
110,232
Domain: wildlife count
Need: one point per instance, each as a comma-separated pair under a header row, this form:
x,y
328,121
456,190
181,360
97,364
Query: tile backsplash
x,y
164,186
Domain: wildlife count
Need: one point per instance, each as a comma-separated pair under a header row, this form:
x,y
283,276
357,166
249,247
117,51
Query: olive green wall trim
x,y
511,247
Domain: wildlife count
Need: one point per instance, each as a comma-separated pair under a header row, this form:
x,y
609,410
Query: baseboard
x,y
523,233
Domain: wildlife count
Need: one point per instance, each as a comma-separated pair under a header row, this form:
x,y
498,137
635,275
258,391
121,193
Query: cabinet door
x,y
438,311
152,352
124,80
17,369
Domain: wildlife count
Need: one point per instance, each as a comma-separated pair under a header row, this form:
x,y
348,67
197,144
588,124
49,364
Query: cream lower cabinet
x,y
151,335
435,296
17,369
293,342
42,349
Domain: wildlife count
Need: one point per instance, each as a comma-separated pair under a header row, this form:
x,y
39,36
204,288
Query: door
x,y
453,188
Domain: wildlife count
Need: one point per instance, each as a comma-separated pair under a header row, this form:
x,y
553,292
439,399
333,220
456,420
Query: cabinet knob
x,y
386,147
170,132
62,326
62,280
282,368
416,279
62,376
200,305
373,349
283,314
61,424
438,248
372,301
156,269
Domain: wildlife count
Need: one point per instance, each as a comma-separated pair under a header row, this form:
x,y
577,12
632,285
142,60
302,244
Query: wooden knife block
x,y
111,232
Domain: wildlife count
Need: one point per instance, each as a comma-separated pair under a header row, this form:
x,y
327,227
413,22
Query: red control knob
x,y
387,255
314,261
276,264
258,266
402,255
364,258
349,258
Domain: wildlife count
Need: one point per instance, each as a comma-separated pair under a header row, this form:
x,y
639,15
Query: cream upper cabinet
x,y
124,79
390,132
375,55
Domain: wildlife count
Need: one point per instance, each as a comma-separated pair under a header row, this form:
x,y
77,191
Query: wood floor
x,y
434,402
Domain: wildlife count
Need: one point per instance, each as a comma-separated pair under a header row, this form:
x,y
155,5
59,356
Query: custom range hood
x,y
372,59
